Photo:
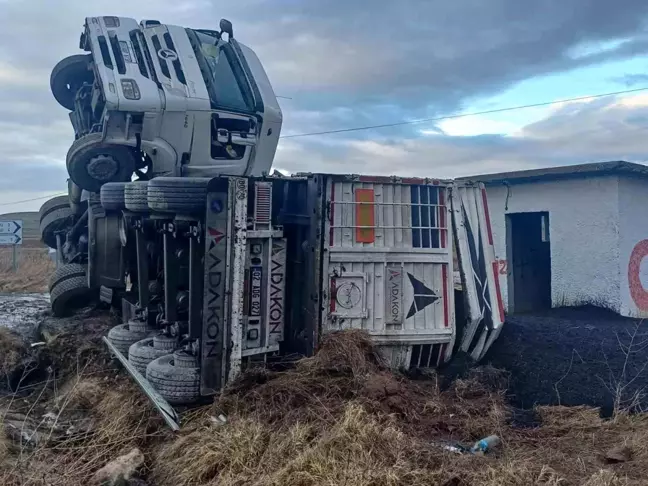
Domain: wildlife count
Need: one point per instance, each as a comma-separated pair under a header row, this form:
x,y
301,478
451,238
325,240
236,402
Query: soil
x,y
339,417
574,356
21,312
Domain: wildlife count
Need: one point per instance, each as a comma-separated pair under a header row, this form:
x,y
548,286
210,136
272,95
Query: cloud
x,y
631,80
588,131
344,64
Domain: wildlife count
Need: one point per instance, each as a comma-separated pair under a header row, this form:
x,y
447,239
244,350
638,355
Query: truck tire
x,y
66,272
69,289
123,336
167,343
135,196
92,163
55,216
68,76
141,353
177,384
112,196
185,195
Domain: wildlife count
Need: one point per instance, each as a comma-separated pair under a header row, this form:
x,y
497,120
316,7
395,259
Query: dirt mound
x,y
338,418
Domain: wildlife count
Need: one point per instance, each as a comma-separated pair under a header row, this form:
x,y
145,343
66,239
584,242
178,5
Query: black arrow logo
x,y
17,227
423,296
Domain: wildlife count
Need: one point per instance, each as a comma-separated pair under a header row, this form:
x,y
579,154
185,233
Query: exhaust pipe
x,y
74,193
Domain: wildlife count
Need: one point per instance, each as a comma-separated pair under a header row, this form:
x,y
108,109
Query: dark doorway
x,y
529,258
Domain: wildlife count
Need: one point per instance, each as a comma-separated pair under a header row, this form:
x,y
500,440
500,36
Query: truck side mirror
x,y
226,26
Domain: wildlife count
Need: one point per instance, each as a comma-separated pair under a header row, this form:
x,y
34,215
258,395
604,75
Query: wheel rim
x,y
102,167
91,164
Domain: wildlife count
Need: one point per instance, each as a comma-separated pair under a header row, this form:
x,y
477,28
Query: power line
x,y
412,122
33,199
462,115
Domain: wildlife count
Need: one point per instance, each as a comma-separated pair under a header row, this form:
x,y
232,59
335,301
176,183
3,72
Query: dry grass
x,y
4,444
34,269
339,418
12,351
94,421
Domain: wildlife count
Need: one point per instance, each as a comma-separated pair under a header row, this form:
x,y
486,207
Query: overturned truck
x,y
218,274
218,267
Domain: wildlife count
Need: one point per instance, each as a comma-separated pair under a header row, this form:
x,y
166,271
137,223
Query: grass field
x,y
34,268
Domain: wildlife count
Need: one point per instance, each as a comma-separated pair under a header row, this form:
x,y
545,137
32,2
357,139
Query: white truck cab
x,y
165,100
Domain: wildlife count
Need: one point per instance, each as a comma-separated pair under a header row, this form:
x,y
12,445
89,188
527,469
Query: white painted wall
x,y
584,234
633,210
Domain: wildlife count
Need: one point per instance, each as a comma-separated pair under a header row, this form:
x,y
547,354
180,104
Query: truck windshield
x,y
222,72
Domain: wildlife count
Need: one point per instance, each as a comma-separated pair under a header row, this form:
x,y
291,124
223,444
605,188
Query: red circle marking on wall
x,y
637,291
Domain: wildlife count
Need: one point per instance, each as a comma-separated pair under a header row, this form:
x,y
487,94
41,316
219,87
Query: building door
x,y
528,249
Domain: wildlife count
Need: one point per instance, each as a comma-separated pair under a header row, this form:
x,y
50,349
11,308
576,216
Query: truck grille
x,y
117,52
164,67
137,48
164,64
176,64
105,52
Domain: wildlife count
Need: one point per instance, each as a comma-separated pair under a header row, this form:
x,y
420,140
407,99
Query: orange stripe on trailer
x,y
365,216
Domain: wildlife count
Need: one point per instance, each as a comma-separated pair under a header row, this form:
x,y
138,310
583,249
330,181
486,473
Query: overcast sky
x,y
348,63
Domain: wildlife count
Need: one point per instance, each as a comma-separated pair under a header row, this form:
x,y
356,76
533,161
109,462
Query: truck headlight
x,y
130,89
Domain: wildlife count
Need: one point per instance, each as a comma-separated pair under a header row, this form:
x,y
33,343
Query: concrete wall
x,y
584,234
633,210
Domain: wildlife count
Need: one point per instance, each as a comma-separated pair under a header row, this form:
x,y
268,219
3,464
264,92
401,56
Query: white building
x,y
569,236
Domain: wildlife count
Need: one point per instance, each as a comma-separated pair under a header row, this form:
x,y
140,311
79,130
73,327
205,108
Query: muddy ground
x,y
574,356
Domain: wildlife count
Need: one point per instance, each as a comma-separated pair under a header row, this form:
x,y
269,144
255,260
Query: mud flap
x,y
477,266
106,264
168,413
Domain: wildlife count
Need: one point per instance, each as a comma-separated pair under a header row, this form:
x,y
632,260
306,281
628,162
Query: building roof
x,y
564,172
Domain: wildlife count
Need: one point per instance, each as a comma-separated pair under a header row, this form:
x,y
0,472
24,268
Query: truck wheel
x,y
92,163
55,216
112,195
177,194
141,353
68,76
135,196
69,289
176,377
123,336
167,343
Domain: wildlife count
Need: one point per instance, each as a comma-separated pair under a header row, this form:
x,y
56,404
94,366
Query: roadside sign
x,y
10,240
11,232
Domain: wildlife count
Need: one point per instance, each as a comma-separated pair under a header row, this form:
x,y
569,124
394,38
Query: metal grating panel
x,y
404,216
427,355
262,205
